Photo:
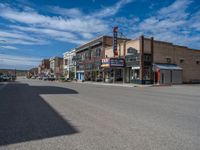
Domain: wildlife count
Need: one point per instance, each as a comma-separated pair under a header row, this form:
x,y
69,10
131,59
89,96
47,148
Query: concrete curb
x,y
115,84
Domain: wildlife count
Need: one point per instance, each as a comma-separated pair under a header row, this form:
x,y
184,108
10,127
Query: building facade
x,y
151,61
69,64
90,56
44,67
56,66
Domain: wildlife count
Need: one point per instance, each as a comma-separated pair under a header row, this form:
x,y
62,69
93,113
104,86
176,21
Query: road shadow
x,y
53,90
25,116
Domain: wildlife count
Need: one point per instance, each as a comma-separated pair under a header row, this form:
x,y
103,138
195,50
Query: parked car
x,y
1,78
51,78
45,78
33,77
40,77
98,79
5,78
13,77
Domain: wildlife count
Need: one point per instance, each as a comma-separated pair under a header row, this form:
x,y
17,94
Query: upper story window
x,y
66,61
168,60
131,50
98,52
147,57
181,60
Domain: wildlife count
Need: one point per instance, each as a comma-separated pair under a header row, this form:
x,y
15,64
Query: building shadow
x,y
53,90
25,116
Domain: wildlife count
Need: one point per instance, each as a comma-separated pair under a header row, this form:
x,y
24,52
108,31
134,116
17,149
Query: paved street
x,y
50,115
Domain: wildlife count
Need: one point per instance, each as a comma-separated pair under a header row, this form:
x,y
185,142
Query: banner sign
x,y
115,30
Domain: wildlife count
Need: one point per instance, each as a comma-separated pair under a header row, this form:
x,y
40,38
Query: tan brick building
x,y
149,60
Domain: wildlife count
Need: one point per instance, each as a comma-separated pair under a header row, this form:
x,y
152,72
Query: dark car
x,y
51,78
1,78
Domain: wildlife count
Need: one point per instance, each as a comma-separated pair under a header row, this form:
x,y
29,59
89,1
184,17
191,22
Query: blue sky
x,y
34,29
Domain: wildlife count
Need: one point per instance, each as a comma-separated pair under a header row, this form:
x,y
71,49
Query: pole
x,y
75,71
123,75
113,75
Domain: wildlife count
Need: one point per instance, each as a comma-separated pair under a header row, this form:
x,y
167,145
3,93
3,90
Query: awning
x,y
166,67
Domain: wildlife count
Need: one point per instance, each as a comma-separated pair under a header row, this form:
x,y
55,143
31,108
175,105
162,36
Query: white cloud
x,y
110,11
70,12
173,24
13,37
18,62
56,22
50,33
9,47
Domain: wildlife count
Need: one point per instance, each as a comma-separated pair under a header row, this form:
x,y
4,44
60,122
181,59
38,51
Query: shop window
x,y
181,61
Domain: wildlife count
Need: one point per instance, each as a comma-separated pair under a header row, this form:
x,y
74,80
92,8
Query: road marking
x,y
2,86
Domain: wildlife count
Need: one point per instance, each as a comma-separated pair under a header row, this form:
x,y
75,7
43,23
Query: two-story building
x,y
68,64
90,56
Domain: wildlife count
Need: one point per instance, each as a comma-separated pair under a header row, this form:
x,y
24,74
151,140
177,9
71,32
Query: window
x,y
98,52
131,50
168,60
147,57
66,61
181,60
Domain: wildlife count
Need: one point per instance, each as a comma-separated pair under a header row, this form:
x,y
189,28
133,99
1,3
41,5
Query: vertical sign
x,y
115,30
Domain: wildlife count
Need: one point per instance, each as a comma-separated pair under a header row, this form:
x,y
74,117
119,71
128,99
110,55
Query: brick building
x,y
44,67
148,60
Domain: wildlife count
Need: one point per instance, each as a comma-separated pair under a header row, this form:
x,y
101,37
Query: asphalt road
x,y
43,115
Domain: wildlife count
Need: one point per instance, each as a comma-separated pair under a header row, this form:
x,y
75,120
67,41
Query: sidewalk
x,y
113,84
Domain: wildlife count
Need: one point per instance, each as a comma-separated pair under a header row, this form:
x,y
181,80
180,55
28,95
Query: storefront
x,y
132,65
80,75
113,70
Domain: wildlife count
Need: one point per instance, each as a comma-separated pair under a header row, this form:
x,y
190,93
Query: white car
x,y
5,78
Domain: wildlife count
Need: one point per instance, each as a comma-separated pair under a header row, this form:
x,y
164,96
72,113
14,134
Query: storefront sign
x,y
113,62
105,62
117,62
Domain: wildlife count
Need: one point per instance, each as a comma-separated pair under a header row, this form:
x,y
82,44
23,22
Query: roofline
x,y
70,51
77,49
173,44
